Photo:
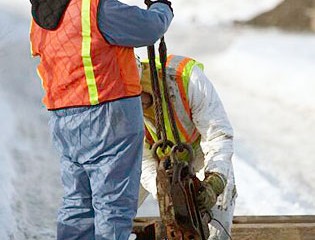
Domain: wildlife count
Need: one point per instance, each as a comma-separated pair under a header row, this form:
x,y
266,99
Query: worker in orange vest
x,y
202,122
92,90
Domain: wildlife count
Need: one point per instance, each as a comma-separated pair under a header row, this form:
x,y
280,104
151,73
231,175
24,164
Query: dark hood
x,y
48,13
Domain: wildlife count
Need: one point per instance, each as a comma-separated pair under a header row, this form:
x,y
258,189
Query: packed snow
x,y
265,78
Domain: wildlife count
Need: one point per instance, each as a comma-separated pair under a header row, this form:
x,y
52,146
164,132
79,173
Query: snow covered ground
x,y
265,78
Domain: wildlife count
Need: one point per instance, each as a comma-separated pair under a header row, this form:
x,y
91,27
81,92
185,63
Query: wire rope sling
x,y
177,184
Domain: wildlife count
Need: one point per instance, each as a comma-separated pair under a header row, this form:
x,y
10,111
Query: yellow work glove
x,y
211,187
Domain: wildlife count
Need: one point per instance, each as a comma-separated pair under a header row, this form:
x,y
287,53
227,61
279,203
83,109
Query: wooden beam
x,y
244,228
273,228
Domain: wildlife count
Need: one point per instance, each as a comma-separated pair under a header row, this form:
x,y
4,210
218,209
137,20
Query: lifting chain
x,y
177,184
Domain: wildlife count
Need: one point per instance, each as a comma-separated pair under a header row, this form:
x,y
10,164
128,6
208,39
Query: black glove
x,y
211,187
168,3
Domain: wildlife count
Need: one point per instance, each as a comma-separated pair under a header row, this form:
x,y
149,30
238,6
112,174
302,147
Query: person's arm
x,y
131,26
212,122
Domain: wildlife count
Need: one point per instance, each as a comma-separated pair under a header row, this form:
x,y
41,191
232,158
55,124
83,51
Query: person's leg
x,y
225,217
114,167
223,212
76,215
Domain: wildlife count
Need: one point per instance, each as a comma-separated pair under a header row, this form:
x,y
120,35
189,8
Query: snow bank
x,y
206,12
7,173
213,12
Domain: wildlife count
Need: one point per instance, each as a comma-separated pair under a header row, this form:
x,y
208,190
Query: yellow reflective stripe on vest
x,y
178,70
187,72
86,52
181,68
151,128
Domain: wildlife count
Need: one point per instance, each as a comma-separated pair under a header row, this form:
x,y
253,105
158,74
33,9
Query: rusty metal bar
x,y
149,228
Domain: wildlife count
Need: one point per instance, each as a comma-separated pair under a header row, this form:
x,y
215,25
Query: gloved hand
x,y
211,187
150,2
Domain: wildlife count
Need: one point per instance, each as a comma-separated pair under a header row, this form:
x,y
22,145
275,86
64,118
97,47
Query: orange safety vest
x,y
178,71
78,66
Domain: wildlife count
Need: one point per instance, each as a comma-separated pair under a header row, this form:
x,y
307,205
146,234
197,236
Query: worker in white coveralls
x,y
204,124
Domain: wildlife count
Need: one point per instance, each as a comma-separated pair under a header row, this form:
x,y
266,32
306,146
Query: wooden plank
x,y
244,228
275,219
273,228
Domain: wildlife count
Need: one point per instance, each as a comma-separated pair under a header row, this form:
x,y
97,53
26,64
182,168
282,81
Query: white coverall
x,y
213,155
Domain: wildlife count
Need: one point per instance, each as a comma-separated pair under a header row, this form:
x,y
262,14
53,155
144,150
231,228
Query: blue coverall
x,y
101,146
